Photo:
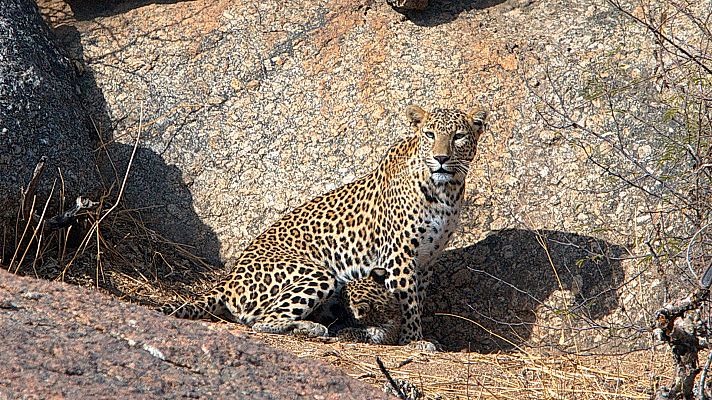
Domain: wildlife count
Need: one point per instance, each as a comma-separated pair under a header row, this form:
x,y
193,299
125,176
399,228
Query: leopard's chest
x,y
436,230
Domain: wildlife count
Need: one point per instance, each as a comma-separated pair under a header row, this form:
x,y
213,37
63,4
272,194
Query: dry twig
x,y
686,334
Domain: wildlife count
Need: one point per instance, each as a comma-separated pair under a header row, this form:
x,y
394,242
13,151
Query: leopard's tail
x,y
208,306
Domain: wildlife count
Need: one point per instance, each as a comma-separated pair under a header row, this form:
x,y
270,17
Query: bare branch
x,y
658,34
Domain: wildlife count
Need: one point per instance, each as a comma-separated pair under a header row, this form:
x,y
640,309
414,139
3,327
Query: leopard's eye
x,y
459,136
429,134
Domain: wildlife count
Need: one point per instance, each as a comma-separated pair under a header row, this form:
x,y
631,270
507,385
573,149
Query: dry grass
x,y
120,255
514,375
108,247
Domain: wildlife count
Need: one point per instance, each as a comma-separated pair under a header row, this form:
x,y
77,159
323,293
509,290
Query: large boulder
x,y
258,106
41,115
63,341
52,114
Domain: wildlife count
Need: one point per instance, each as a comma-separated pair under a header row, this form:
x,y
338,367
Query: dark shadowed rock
x,y
40,112
409,4
62,341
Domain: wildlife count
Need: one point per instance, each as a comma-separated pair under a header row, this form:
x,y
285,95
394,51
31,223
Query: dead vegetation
x,y
99,243
515,375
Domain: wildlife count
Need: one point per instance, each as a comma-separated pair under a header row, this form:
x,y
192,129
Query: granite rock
x,y
254,107
63,341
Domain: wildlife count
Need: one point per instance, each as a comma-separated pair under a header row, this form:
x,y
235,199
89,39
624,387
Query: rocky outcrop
x,y
254,107
62,341
40,115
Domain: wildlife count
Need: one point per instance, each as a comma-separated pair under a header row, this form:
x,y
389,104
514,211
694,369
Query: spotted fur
x,y
398,217
374,312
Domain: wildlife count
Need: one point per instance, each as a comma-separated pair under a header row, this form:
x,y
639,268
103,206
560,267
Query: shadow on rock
x,y
89,9
523,288
156,235
444,11
165,203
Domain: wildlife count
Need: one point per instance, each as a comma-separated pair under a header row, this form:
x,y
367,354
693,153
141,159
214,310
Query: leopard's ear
x,y
478,117
379,275
415,115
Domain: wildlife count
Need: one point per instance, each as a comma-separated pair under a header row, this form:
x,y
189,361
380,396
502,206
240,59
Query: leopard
x,y
399,217
373,312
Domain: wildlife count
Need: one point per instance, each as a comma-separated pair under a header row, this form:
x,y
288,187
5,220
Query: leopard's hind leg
x,y
296,300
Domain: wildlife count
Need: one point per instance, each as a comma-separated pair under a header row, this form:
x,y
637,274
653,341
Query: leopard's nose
x,y
442,159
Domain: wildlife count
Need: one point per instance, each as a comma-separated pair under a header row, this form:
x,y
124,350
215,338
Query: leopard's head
x,y
448,140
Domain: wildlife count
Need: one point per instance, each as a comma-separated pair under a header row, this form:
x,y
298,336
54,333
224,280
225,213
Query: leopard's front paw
x,y
425,345
310,329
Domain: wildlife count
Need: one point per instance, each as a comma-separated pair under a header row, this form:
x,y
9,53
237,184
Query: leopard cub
x,y
373,311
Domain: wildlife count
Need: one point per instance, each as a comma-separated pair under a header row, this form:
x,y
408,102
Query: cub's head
x,y
448,140
366,297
